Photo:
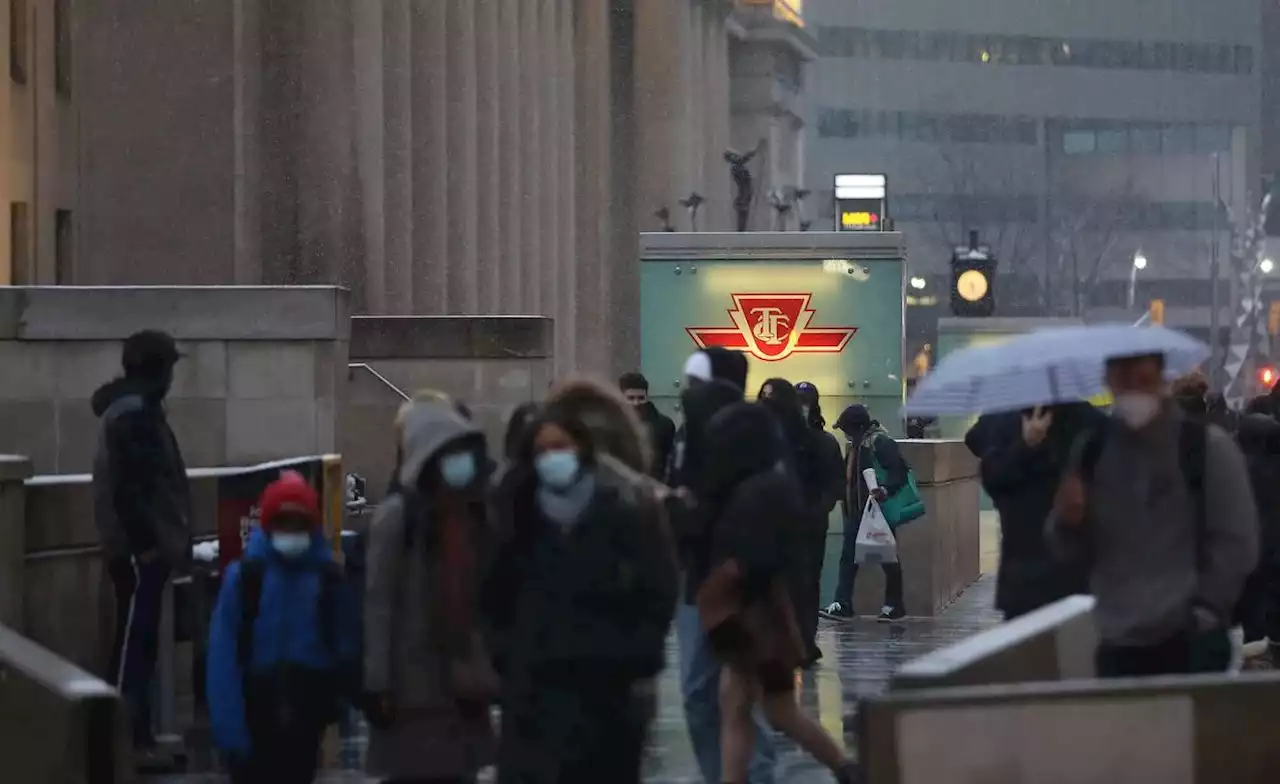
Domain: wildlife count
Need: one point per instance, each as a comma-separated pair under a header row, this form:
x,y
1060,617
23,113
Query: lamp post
x,y
1139,263
1266,266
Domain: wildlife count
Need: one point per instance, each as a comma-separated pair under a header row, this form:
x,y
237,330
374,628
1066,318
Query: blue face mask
x,y
458,470
291,544
557,469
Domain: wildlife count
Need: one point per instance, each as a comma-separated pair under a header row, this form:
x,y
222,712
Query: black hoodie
x,y
142,501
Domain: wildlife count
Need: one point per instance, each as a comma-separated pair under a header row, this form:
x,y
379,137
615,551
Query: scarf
x,y
565,507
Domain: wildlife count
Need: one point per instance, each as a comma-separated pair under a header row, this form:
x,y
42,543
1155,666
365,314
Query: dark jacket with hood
x,y
868,444
813,454
1021,481
1259,437
141,499
662,436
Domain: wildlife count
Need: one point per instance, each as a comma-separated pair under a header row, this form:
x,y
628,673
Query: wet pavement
x,y
859,657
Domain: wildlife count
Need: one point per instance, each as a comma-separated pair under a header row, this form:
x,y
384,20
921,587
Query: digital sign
x,y
860,202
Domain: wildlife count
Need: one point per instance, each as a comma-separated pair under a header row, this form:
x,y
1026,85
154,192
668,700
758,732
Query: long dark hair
x,y
517,424
784,404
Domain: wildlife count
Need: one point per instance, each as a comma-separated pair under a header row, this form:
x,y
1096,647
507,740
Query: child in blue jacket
x,y
283,643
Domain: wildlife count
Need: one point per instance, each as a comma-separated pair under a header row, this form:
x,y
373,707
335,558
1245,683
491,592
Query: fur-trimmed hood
x,y
607,414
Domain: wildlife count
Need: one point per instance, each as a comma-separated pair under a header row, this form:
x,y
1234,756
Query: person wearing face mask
x,y
1158,510
428,677
581,593
283,643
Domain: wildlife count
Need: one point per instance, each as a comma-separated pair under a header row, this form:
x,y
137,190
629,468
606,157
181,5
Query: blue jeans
x,y
700,685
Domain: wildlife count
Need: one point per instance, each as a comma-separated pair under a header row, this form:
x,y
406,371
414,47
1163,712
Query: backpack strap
x,y
252,572
1193,455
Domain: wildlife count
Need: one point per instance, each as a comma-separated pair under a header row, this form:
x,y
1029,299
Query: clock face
x,y
972,285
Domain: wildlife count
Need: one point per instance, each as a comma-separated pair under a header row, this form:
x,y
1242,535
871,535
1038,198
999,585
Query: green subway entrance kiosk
x,y
823,307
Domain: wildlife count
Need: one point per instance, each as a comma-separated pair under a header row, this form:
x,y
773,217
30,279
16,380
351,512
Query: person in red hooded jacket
x,y
283,643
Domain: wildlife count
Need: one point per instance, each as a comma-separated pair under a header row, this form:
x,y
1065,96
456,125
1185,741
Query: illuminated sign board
x,y
860,202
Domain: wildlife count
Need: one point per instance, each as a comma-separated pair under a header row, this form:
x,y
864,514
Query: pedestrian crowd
x,y
541,579
1166,511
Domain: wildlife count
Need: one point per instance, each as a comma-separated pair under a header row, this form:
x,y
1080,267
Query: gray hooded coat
x,y
406,656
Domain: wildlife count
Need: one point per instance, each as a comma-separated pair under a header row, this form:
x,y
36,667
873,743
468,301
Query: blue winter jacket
x,y
285,631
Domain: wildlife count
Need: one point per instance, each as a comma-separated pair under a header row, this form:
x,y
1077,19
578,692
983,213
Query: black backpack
x,y
1192,456
252,573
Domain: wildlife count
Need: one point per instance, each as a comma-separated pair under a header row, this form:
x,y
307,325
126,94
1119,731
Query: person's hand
x,y
879,494
1035,426
1069,501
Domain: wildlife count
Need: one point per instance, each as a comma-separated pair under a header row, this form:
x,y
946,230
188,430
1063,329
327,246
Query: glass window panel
x,y
1113,141
1144,139
1177,140
1244,60
1079,142
1212,138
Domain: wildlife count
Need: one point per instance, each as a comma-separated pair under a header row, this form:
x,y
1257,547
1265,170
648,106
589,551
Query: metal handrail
x,y
385,382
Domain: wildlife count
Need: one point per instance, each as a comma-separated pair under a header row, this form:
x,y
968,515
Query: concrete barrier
x,y
941,552
1054,643
1189,730
60,723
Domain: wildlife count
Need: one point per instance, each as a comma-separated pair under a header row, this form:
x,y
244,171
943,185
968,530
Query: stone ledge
x,y
15,468
186,312
937,461
451,337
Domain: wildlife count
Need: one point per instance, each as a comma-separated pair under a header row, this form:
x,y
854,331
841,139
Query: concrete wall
x,y
940,552
262,376
491,363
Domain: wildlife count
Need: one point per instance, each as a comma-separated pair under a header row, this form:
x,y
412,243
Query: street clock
x,y
973,270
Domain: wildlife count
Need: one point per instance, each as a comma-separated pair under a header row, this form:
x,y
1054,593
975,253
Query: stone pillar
x,y
621,278
367,36
564,269
248,183
397,145
488,182
593,74
531,153
14,469
512,164
659,106
460,173
430,158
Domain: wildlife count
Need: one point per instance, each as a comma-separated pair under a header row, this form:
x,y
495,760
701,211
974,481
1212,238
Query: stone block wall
x,y
263,370
493,363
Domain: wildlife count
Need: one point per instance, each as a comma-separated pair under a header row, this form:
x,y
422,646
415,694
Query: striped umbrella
x,y
1056,365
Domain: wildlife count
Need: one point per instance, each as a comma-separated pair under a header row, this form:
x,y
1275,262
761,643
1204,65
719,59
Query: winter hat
x,y
148,351
854,419
290,494
718,364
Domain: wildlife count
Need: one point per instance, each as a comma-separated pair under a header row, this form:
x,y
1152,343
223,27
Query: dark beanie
x,y
728,365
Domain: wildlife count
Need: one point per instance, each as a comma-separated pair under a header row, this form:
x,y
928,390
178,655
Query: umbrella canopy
x,y
1057,365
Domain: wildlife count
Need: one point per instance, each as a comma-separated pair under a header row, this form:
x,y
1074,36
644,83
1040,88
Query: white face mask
x,y
291,544
1135,409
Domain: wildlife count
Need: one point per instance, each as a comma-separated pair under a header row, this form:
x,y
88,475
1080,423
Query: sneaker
x,y
889,613
836,611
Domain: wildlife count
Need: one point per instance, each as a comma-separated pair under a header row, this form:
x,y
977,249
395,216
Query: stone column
x,y
247,120
567,263
510,218
397,145
627,205
659,106
370,149
533,214
461,170
430,157
488,172
593,73
553,124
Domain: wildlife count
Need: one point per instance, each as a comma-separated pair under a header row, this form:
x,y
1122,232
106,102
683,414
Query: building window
x,y
942,46
19,243
63,247
62,47
18,49
1079,142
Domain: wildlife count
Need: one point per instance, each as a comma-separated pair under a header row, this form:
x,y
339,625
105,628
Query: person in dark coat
x,y
662,431
1023,455
141,505
1259,609
715,378
814,456
582,593
756,509
868,444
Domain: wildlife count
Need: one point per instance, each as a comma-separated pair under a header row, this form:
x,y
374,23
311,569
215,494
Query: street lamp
x,y
1266,266
1139,263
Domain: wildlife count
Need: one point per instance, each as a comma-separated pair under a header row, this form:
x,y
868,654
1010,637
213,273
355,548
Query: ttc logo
x,y
772,327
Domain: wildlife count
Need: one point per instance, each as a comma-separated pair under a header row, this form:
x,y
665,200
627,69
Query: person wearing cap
x,y
141,505
428,679
715,378
283,642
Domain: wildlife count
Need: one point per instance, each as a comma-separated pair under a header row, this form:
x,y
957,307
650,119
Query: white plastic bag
x,y
875,543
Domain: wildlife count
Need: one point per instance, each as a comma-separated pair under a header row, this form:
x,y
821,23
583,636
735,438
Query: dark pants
x,y
1183,654
849,573
139,589
283,758
806,587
